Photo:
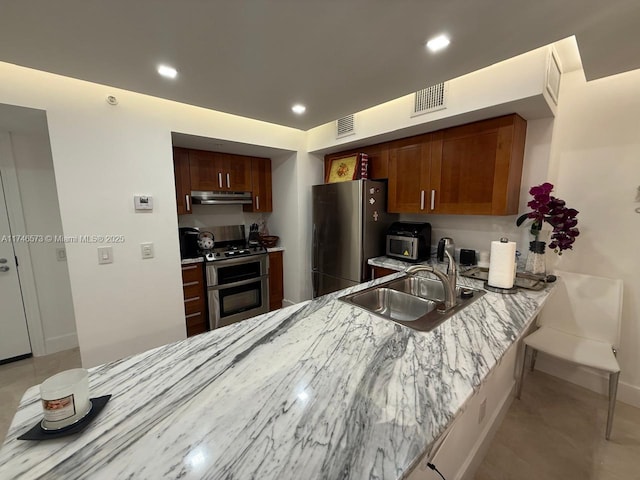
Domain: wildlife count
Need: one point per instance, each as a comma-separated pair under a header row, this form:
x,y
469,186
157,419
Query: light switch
x,y
105,255
143,202
61,254
147,250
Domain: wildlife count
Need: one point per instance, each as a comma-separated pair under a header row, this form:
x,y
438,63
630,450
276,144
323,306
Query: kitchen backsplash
x,y
221,215
473,231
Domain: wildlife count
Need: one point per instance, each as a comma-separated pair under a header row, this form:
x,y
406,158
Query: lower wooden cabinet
x,y
377,272
276,280
195,301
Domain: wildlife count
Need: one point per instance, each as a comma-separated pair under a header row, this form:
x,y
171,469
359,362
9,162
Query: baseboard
x,y
60,343
587,378
481,447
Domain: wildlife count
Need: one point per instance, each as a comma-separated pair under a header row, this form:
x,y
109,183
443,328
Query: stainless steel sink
x,y
420,287
413,301
393,304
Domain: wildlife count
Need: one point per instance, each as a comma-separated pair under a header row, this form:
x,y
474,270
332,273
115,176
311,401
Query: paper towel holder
x,y
499,290
493,289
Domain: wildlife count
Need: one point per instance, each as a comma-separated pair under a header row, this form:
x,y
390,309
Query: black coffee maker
x,y
188,242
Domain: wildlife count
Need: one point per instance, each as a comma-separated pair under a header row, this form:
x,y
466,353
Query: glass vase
x,y
536,263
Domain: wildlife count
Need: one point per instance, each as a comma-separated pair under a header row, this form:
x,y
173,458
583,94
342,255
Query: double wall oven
x,y
237,277
237,288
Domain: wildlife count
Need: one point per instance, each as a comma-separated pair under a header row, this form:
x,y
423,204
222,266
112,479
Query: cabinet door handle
x,y
421,199
190,284
193,299
190,267
220,179
193,315
228,182
187,202
433,199
257,202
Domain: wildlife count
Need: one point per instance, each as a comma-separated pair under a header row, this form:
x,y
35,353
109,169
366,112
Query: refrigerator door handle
x,y
314,247
314,284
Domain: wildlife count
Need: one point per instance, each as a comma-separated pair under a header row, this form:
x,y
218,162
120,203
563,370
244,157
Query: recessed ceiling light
x,y
299,109
167,71
438,43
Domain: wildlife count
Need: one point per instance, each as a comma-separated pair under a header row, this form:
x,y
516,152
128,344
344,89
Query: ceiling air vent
x,y
430,99
345,126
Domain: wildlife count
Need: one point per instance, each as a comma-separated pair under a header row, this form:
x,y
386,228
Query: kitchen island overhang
x,y
320,389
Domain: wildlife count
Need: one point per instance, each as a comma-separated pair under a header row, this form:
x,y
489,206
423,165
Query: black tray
x,y
38,433
522,280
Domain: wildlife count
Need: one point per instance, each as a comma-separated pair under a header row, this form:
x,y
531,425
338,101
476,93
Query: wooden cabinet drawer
x,y
192,273
193,289
196,318
196,323
194,304
377,272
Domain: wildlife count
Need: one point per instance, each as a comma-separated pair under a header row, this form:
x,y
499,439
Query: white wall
x,y
515,85
595,162
103,156
34,168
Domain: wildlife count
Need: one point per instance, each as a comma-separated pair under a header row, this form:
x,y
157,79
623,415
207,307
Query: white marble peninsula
x,y
317,390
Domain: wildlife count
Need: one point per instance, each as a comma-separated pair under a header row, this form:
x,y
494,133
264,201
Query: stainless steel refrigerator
x,y
350,221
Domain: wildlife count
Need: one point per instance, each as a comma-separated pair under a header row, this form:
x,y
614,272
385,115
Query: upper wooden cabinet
x,y
260,186
183,180
476,169
409,174
213,171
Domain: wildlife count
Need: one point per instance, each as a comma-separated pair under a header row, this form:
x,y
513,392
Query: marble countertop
x,y
320,389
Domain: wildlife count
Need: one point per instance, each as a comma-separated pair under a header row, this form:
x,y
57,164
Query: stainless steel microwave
x,y
403,248
409,241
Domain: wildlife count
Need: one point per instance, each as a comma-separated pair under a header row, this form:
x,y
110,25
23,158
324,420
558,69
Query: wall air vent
x,y
345,126
430,99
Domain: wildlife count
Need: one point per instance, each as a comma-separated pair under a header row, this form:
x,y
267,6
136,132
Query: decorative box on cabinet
x,y
378,160
276,280
195,305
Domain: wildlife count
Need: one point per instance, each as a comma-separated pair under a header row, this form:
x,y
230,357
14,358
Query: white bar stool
x,y
580,323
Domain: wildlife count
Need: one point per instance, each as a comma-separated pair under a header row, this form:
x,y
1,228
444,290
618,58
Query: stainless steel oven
x,y
237,288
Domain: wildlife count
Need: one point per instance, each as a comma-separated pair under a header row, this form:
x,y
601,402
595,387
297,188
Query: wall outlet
x,y
482,410
61,254
105,255
146,250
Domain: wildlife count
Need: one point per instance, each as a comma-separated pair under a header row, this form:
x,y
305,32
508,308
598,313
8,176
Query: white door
x,y
14,336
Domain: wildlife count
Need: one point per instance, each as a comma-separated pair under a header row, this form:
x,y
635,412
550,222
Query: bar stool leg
x,y
534,357
521,380
613,391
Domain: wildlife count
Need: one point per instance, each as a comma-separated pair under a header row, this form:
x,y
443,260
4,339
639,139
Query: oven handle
x,y
238,284
236,261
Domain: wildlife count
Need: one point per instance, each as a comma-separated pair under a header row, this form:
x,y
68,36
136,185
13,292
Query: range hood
x,y
221,198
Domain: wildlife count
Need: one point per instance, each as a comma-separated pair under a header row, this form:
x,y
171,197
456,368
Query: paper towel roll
x,y
501,271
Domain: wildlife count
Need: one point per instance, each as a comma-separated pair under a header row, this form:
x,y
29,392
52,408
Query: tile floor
x,y
17,377
555,432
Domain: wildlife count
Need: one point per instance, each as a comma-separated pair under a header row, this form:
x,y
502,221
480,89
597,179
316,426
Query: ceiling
x,y
256,58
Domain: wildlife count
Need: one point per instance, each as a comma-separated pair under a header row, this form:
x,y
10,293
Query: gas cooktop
x,y
232,251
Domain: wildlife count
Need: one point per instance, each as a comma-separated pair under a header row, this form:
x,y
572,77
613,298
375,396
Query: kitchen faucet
x,y
448,279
